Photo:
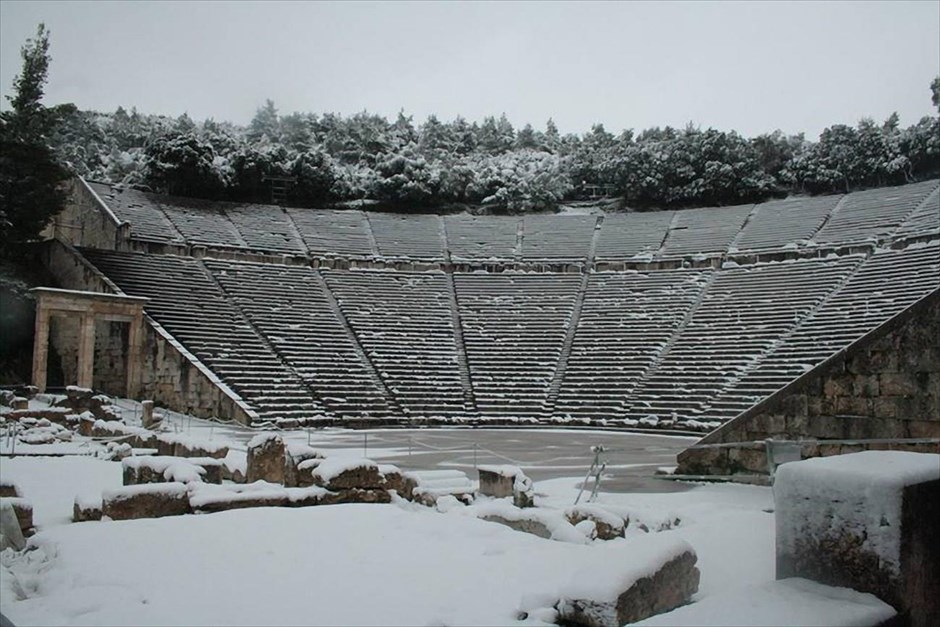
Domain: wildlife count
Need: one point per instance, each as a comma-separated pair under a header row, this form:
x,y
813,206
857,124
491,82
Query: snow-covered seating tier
x,y
874,213
414,236
266,228
202,222
142,210
786,223
403,321
791,224
185,301
883,285
329,232
514,325
481,237
289,306
742,313
557,237
707,230
626,320
925,219
627,235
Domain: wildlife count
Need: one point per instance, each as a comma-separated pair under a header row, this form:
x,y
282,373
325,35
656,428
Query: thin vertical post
x,y
86,351
41,345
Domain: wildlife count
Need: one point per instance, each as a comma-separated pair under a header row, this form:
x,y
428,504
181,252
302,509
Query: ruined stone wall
x,y
170,375
885,386
85,222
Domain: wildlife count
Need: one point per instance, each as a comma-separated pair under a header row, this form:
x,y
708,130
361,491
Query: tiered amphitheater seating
x,y
514,325
142,211
557,237
481,237
785,223
288,305
202,222
403,321
332,232
626,320
873,214
185,301
679,347
626,235
925,220
883,286
266,228
742,312
708,230
416,236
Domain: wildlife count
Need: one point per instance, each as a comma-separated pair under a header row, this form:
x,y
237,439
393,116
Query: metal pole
x,y
474,455
365,444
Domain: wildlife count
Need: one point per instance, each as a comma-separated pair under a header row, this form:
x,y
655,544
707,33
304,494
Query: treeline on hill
x,y
335,158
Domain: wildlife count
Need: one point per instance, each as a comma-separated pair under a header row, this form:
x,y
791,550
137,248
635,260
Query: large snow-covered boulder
x,y
151,500
866,521
267,458
610,594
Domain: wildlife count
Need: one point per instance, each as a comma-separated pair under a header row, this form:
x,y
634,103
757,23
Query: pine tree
x,y
30,176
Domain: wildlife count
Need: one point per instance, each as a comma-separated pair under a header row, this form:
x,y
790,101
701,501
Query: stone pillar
x,y
135,338
41,346
86,351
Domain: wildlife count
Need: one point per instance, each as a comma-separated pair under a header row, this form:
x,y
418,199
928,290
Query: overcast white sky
x,y
746,66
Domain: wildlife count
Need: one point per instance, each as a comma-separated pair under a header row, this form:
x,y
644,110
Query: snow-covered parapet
x,y
649,577
865,521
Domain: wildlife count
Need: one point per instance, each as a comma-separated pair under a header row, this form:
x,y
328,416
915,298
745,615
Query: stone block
x,y
884,407
267,458
337,474
607,525
153,500
23,510
670,585
394,478
853,406
497,481
865,386
9,489
295,456
838,386
525,525
355,495
898,384
85,509
888,507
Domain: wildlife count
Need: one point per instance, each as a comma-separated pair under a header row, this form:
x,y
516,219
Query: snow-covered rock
x,y
662,578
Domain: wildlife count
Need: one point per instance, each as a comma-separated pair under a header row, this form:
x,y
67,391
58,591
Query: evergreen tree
x,y
30,176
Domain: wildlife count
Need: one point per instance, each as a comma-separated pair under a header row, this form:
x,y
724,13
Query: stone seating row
x,y
626,320
403,321
777,224
189,305
514,326
289,306
686,347
883,286
742,312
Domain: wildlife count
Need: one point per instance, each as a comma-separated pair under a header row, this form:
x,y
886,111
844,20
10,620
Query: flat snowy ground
x,y
397,564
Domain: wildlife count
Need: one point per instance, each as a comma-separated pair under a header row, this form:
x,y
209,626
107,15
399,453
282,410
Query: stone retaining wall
x,y
885,386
